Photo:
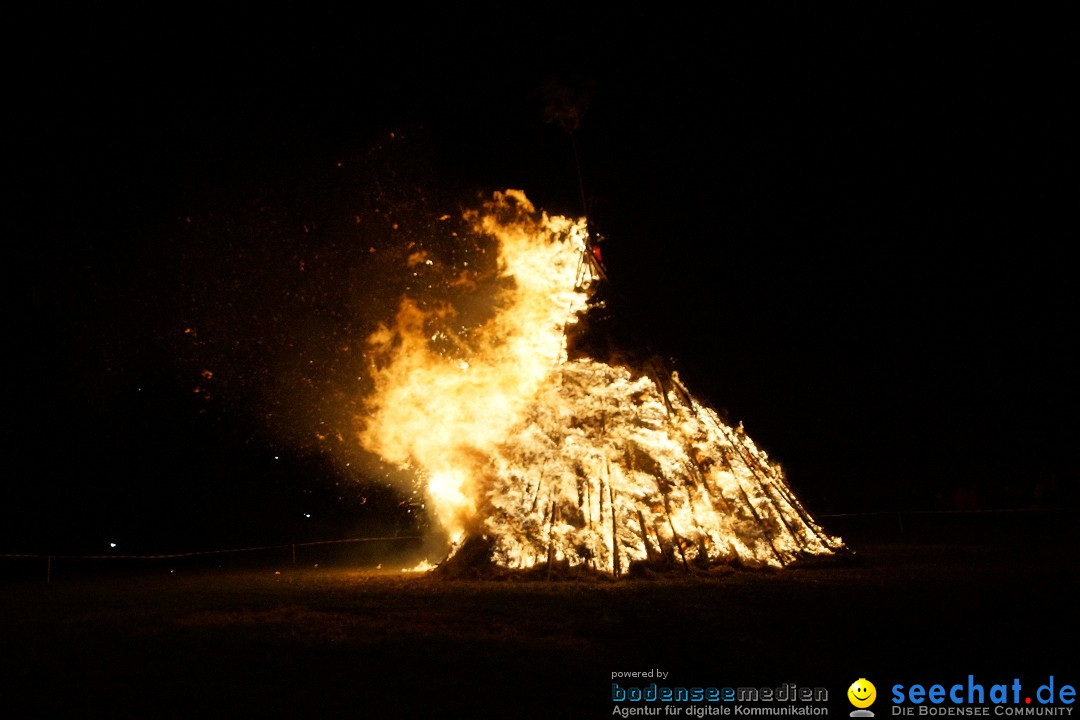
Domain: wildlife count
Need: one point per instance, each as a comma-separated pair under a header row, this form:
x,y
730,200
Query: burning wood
x,y
531,458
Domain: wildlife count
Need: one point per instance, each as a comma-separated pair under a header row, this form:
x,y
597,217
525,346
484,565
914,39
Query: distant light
x,y
307,515
276,457
112,545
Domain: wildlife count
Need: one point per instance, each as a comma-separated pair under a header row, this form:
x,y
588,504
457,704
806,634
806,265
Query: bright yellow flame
x,y
443,414
421,567
447,493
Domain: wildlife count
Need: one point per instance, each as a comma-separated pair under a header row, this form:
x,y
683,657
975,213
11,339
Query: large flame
x,y
548,459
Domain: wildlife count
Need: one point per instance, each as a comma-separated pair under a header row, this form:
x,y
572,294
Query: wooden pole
x,y
616,565
551,540
675,537
650,554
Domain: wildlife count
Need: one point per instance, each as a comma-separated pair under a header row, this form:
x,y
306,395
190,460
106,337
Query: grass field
x,y
330,642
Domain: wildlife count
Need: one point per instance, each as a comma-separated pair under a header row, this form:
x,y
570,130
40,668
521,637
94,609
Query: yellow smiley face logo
x,y
862,693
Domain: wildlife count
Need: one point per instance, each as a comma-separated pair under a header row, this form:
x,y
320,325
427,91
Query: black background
x,y
849,228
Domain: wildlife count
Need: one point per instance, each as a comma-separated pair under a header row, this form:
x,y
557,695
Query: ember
x,y
531,457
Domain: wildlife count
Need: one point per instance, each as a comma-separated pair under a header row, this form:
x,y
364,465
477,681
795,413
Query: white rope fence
x,y
49,557
899,514
1001,511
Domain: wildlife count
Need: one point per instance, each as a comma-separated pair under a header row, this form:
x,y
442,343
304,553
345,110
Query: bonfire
x,y
533,454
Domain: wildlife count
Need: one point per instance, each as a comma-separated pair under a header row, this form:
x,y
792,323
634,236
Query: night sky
x,y
848,228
